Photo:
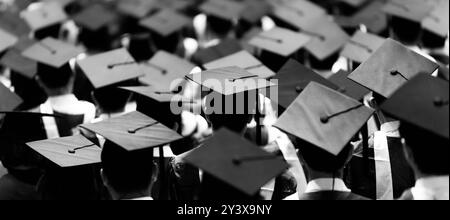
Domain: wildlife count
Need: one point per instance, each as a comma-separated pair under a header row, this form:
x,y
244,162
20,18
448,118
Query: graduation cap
x,y
330,123
412,10
165,22
280,41
223,9
255,10
13,23
48,14
436,25
68,151
348,87
244,60
110,68
361,46
236,161
293,78
233,80
95,17
7,41
224,48
326,38
390,67
136,8
163,70
9,101
299,14
354,3
52,52
423,103
372,16
134,131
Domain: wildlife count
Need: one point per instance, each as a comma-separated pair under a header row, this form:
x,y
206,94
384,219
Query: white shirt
x,y
319,185
433,188
326,184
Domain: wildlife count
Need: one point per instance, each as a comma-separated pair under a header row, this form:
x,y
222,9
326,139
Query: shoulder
x,y
329,195
407,196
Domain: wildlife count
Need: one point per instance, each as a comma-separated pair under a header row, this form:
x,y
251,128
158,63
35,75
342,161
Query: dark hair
x,y
127,171
432,41
406,31
74,183
321,160
29,90
54,78
111,99
235,122
430,151
213,189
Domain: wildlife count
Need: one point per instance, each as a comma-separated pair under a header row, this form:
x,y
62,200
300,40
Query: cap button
x,y
342,89
324,119
298,89
438,101
394,72
236,161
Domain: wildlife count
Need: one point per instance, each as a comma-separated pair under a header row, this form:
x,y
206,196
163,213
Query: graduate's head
x,y
29,90
128,173
406,31
426,152
320,160
422,107
56,81
234,112
111,99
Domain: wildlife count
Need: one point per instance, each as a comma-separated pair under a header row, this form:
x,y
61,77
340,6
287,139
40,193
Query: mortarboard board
x,y
14,60
244,60
174,4
8,40
255,10
163,70
165,22
297,13
110,68
330,123
233,80
326,38
224,48
413,10
361,46
134,131
423,102
348,87
95,17
280,41
68,151
391,66
161,96
437,21
13,23
224,9
46,15
9,101
136,8
236,161
52,52
372,17
293,78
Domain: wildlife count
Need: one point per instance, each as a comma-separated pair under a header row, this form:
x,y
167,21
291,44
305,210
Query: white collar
x,y
148,198
326,184
432,188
